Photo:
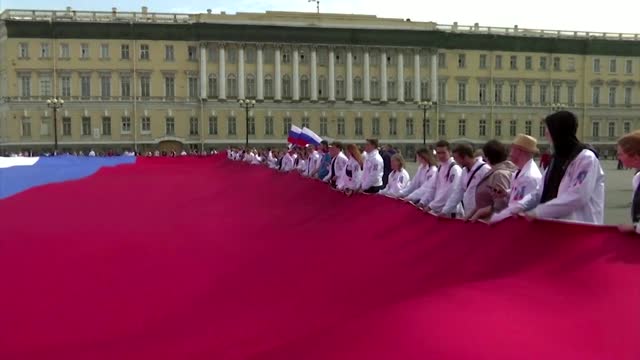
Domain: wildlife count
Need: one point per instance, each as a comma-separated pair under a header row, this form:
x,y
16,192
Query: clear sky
x,y
589,15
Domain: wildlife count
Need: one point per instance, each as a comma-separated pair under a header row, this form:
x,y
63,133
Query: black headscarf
x,y
563,127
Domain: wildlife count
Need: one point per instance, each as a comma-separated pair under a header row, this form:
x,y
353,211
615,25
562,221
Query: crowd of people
x,y
489,184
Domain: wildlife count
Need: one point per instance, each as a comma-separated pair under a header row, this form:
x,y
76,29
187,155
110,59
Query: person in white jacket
x,y
463,199
446,182
288,161
629,155
313,161
337,166
373,168
427,169
573,186
398,178
350,182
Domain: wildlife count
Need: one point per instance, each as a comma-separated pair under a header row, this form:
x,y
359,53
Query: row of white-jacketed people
x,y
501,182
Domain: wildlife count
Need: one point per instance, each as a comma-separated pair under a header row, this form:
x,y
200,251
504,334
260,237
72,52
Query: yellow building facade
x,y
145,81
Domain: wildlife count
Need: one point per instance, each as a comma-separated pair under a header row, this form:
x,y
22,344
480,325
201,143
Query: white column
x,y
259,74
332,75
241,80
296,75
278,76
400,77
314,74
383,76
203,71
349,78
417,86
366,77
434,76
222,74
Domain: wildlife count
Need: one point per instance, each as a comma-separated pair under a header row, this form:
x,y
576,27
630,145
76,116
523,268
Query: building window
x,y
482,93
375,89
556,94
357,88
125,86
145,86
305,122
65,86
442,127
124,51
25,85
144,52
268,125
66,126
105,86
462,92
44,51
192,53
341,126
23,50
571,64
84,51
250,86
513,128
232,86
393,126
528,63
304,87
613,66
483,61
169,53
212,86
612,129
104,51
85,86
427,127
627,96
409,129
145,124
424,90
125,125
498,94
628,67
513,62
442,91
231,125
65,53
543,130
268,87
528,94
213,125
543,63
612,97
286,87
375,126
543,94
45,85
324,126
169,86
513,94
556,63
462,61
193,126
106,126
250,55
232,55
251,125
26,127
408,90
462,127
571,95
392,92
498,62
193,87
595,129
358,127
482,128
528,127
627,127
286,125
596,65
595,96
86,126
170,126
442,60
497,128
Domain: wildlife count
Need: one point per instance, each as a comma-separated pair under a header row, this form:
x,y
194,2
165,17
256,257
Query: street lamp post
x,y
425,106
247,104
55,103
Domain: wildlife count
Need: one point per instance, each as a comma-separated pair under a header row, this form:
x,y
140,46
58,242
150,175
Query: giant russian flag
x,y
190,258
310,137
294,135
